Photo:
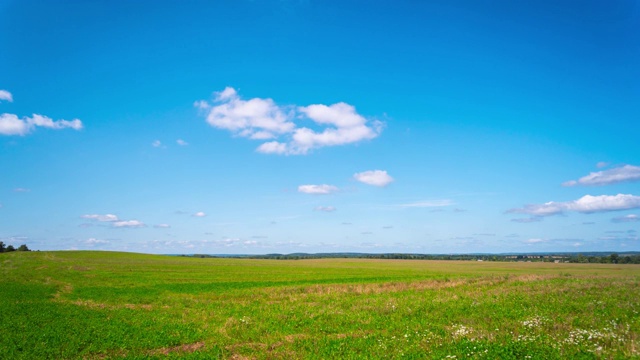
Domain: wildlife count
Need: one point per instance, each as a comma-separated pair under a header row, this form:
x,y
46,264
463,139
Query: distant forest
x,y
10,248
592,257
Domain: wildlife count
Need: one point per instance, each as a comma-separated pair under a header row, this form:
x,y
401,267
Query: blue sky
x,y
320,126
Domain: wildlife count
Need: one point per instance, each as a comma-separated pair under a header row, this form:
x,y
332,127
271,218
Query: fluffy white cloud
x,y
199,214
10,124
263,119
162,226
626,218
346,127
98,217
156,143
128,224
323,189
254,118
586,204
182,142
6,96
374,177
325,208
625,173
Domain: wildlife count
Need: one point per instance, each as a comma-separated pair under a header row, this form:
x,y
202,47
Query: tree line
x,y
602,258
10,248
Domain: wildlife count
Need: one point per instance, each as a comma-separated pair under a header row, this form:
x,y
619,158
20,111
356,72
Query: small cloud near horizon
x,y
587,204
101,218
323,189
128,224
325,208
626,218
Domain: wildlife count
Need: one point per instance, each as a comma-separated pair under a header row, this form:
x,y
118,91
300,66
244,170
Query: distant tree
x,y
1,246
10,248
614,258
23,247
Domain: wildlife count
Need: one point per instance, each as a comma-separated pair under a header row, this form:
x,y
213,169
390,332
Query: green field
x,y
100,305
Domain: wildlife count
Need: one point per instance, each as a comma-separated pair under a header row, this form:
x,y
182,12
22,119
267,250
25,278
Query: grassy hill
x,y
99,305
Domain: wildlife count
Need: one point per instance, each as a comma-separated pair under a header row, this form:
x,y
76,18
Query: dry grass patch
x,y
185,348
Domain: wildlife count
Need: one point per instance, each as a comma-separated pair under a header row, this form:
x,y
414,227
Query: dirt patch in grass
x,y
293,337
184,348
251,345
379,288
64,289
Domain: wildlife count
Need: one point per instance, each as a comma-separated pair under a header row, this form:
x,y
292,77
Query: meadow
x,y
104,305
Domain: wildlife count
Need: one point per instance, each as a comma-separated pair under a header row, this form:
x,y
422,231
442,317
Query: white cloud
x,y
128,224
162,226
227,242
323,189
427,204
114,220
10,124
6,96
247,117
626,218
21,190
273,147
39,120
602,164
103,218
534,241
94,242
325,208
182,142
586,204
263,119
199,214
374,177
346,127
625,173
156,143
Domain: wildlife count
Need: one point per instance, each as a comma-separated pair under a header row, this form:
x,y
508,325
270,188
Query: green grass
x,y
98,305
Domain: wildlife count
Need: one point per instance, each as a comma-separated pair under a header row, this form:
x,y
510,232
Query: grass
x,y
98,305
